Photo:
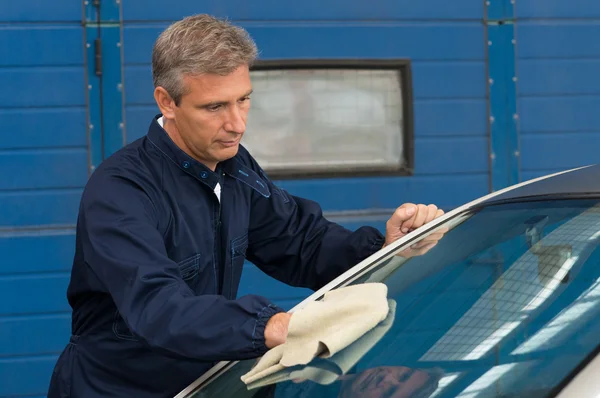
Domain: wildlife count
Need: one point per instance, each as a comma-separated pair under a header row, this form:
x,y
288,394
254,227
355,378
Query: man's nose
x,y
235,121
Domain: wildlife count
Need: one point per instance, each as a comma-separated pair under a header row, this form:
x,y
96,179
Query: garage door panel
x,y
43,11
139,86
558,9
389,192
46,87
20,335
138,120
43,128
39,208
43,168
460,41
50,294
36,46
538,77
560,150
26,376
435,155
443,79
310,10
559,114
450,117
548,39
37,251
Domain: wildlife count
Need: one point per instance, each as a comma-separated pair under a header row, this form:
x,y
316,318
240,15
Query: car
x,y
507,304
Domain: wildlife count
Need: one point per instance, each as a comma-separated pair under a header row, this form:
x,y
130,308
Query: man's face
x,y
210,120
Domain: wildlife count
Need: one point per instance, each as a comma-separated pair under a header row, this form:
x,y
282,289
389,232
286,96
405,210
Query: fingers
x,y
433,237
423,215
417,251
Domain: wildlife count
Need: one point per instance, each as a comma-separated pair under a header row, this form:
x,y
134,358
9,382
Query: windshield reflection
x,y
506,304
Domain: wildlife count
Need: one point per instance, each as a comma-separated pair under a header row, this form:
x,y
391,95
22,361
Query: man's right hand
x,y
277,329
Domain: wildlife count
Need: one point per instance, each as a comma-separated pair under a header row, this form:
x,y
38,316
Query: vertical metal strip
x,y
93,89
112,76
504,140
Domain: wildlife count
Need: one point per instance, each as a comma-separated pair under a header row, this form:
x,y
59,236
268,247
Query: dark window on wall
x,y
318,118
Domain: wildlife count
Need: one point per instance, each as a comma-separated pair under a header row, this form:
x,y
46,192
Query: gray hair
x,y
197,45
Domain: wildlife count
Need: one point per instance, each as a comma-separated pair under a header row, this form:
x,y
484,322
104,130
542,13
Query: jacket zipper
x,y
219,243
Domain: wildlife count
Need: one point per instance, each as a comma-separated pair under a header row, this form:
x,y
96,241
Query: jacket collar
x,y
233,167
161,140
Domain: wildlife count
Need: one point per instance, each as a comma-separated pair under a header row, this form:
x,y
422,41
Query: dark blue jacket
x,y
158,262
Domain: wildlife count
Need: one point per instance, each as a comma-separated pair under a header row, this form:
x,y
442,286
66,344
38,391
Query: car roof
x,y
581,181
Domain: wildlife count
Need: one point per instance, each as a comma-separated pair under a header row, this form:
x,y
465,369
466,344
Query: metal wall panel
x,y
336,10
549,151
433,41
49,288
559,88
559,77
55,127
557,9
558,39
50,252
42,11
44,164
39,209
41,45
41,169
24,334
26,376
454,118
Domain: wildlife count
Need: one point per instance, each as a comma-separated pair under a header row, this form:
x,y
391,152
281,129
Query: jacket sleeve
x,y
124,247
291,240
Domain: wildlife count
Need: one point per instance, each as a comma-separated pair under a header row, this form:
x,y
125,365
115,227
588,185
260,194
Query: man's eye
x,y
214,108
245,99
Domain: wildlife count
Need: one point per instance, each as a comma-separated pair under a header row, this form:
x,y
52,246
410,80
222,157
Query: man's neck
x,y
173,132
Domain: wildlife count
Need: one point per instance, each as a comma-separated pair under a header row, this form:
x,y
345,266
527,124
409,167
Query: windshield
x,y
505,305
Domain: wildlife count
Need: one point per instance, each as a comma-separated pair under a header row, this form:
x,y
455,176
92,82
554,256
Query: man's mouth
x,y
230,143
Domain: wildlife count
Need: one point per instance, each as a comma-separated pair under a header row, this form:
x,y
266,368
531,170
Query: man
x,y
166,223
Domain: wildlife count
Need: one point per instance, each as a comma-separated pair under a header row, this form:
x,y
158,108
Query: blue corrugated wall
x,y
558,56
476,128
44,165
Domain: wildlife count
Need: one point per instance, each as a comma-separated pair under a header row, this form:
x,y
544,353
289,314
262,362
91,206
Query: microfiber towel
x,y
327,371
323,328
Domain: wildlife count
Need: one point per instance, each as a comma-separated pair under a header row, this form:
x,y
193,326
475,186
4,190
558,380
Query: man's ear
x,y
165,102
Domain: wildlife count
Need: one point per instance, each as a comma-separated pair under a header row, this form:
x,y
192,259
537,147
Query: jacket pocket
x,y
120,328
188,268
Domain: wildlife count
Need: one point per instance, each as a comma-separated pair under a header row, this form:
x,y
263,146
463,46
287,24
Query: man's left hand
x,y
409,217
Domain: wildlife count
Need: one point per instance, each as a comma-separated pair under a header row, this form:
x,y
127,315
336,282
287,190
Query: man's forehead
x,y
218,87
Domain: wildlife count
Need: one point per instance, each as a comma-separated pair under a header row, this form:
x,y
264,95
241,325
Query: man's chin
x,y
227,153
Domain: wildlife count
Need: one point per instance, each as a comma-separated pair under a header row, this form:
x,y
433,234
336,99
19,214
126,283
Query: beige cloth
x,y
327,371
323,328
